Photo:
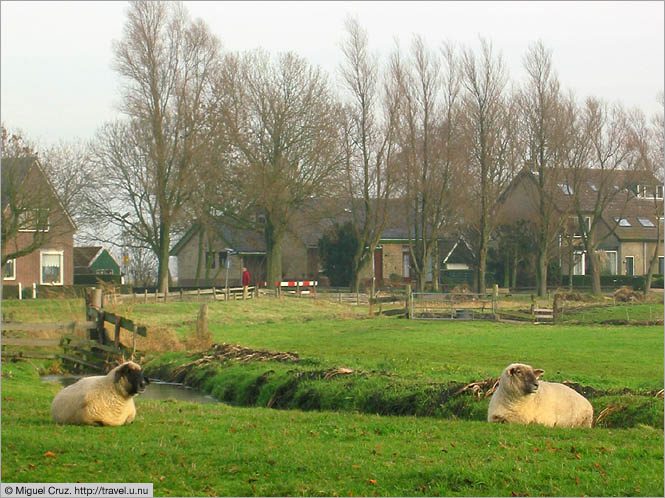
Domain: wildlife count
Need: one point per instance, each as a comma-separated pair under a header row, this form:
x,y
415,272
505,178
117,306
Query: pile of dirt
x,y
573,296
224,352
626,294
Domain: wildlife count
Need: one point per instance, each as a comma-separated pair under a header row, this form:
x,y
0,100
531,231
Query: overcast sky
x,y
57,83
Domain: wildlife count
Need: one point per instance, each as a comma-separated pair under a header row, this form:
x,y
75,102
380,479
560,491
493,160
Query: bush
x,y
606,281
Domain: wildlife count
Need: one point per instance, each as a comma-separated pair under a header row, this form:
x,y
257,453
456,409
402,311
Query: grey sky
x,y
57,83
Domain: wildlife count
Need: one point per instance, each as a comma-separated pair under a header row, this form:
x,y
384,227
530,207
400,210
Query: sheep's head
x,y
522,378
130,377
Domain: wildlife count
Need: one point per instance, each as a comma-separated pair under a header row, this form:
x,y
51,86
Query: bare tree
x,y
68,166
646,141
544,128
281,121
368,136
429,149
489,125
599,188
167,62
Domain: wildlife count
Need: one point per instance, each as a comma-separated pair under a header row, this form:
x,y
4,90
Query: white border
x,y
41,266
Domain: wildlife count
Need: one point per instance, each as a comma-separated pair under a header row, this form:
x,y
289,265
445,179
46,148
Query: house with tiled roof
x,y
207,252
630,223
37,231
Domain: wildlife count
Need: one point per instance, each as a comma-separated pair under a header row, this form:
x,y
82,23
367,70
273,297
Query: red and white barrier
x,y
298,284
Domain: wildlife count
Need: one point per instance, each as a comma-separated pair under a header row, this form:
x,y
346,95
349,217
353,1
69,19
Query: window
x,y
642,191
210,260
33,220
645,222
406,264
630,266
660,265
222,259
574,225
578,260
659,192
10,270
623,222
51,265
593,187
611,262
566,189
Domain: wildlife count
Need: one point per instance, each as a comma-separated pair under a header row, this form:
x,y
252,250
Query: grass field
x,y
186,449
220,450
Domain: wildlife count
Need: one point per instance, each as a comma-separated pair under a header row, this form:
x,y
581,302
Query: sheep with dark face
x,y
102,399
523,398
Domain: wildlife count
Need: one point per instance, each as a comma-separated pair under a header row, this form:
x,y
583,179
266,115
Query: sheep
x,y
101,399
524,399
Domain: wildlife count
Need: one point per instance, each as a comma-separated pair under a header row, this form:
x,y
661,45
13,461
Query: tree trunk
x,y
514,278
594,263
482,266
506,271
541,271
163,258
200,258
435,267
273,240
653,262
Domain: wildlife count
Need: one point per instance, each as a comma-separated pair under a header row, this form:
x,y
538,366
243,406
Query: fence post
x,y
145,296
20,290
181,295
408,301
202,321
214,294
555,308
34,290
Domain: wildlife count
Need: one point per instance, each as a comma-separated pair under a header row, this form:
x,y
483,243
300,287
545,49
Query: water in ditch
x,y
155,390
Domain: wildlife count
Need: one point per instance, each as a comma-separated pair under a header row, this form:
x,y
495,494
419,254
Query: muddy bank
x,y
245,377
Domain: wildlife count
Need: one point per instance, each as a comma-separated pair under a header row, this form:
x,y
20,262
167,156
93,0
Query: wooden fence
x,y
214,294
98,351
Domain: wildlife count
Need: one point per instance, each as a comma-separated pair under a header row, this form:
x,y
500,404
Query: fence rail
x,y
213,293
449,306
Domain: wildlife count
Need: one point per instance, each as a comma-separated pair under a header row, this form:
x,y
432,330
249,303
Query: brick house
x,y
36,227
628,226
300,258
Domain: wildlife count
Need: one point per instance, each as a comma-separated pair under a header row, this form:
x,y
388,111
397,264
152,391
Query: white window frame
x,y
623,222
642,191
13,277
659,191
30,230
616,261
646,222
51,252
406,264
582,262
566,189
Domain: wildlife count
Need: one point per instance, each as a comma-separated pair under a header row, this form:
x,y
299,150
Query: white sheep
x,y
101,399
524,399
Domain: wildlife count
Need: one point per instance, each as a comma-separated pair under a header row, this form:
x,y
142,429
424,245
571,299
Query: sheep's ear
x,y
122,371
538,372
512,370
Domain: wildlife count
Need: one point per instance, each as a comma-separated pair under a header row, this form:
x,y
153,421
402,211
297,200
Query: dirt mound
x,y
224,352
573,296
625,294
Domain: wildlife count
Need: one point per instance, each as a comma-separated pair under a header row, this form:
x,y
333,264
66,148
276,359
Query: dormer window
x,y
566,189
642,191
623,222
645,222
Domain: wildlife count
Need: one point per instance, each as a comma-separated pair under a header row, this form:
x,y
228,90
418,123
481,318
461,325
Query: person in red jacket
x,y
245,281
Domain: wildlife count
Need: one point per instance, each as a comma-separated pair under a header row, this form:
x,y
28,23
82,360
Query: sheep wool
x,y
102,399
523,398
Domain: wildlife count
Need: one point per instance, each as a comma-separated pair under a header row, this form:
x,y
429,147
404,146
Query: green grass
x,y
186,449
627,313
